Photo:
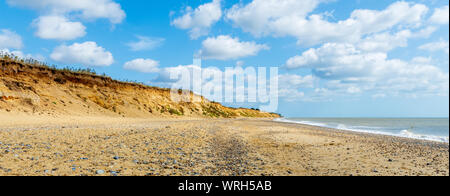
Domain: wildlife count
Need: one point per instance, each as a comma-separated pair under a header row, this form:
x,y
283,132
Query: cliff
x,y
32,88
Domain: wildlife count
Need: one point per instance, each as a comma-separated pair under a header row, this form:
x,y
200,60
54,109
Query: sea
x,y
433,129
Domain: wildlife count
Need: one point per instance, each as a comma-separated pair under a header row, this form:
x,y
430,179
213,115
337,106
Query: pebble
x,y
116,158
100,171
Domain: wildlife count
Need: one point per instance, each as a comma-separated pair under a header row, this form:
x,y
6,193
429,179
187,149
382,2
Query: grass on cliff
x,y
208,110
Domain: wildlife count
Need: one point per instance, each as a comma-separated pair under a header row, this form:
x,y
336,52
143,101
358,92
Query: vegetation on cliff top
x,y
32,86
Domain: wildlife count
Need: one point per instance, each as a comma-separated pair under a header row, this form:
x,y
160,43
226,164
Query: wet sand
x,y
206,147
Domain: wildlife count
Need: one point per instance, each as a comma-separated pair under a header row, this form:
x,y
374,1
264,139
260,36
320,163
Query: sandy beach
x,y
76,146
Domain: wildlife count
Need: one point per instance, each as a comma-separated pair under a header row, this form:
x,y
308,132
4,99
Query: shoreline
x,y
284,120
367,134
210,147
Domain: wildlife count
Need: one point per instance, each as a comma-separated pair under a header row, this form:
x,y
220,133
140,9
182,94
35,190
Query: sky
x,y
336,58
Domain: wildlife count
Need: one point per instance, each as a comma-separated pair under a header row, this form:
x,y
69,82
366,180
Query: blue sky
x,y
336,58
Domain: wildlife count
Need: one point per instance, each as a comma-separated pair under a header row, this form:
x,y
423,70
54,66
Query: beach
x,y
77,146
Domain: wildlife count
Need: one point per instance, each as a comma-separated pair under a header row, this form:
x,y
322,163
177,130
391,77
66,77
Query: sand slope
x,y
39,90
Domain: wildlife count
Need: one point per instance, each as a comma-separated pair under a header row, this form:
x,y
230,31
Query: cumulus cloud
x,y
10,39
297,81
86,9
258,16
294,18
199,20
58,27
353,58
440,15
87,53
142,65
345,69
225,47
291,86
53,23
384,42
145,43
441,45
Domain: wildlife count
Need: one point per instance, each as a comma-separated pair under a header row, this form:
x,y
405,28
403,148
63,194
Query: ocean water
x,y
434,129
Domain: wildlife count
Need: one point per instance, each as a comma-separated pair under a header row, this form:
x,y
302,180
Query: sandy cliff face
x,y
40,90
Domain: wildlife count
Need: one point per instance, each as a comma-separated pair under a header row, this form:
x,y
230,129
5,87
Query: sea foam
x,y
372,130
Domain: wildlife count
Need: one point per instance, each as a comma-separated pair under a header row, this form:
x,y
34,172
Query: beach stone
x,y
100,171
116,158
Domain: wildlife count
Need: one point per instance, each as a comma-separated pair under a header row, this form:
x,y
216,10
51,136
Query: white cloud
x,y
291,86
296,81
145,43
440,15
9,39
86,9
344,68
170,77
165,80
200,20
143,65
422,60
290,18
353,90
441,45
87,53
53,22
58,27
385,41
225,47
258,16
